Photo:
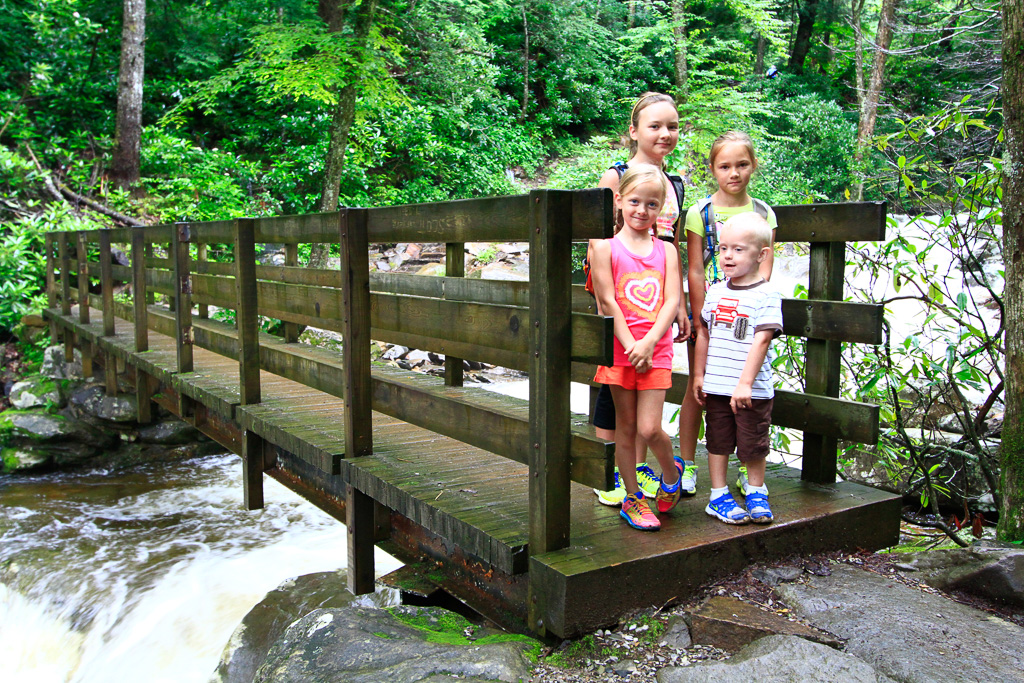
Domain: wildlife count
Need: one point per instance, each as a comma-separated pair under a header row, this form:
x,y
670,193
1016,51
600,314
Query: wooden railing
x,y
545,327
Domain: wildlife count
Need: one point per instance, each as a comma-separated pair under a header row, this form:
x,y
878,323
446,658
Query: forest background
x,y
126,112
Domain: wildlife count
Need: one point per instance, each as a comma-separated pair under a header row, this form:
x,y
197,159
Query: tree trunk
x,y
681,38
338,14
128,128
856,14
869,104
526,64
759,56
1011,515
802,44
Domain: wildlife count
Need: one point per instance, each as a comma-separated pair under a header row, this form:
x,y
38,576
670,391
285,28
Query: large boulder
x,y
56,367
270,618
985,569
905,633
91,400
35,392
399,645
173,432
36,438
778,659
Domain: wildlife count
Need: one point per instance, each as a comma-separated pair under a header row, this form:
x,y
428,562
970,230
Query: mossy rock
x,y
34,392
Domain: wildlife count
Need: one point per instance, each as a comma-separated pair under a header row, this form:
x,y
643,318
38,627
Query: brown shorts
x,y
746,431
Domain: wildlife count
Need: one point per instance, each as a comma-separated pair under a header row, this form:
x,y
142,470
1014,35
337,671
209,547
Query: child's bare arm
x,y
604,291
700,360
695,275
741,397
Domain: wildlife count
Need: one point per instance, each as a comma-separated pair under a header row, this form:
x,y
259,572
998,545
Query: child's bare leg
x,y
625,436
689,416
650,405
718,465
755,471
641,450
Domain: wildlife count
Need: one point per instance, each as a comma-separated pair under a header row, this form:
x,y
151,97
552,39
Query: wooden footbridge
x,y
485,496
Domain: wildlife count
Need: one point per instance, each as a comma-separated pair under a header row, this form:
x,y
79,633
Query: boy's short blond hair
x,y
755,225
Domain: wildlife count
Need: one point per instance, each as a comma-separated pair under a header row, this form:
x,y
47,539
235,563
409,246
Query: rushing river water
x,y
142,576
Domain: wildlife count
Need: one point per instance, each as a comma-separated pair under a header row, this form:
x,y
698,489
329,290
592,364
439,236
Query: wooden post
x,y
247,320
107,294
150,294
83,280
183,296
291,258
143,386
51,286
822,369
355,286
65,293
203,309
454,266
83,302
549,368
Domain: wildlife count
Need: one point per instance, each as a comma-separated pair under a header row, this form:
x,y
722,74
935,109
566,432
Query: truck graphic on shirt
x,y
727,315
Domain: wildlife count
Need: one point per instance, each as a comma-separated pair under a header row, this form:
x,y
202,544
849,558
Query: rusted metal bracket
x,y
188,335
184,232
186,284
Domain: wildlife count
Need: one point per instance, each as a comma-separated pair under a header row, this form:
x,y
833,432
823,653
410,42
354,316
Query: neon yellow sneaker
x,y
638,514
741,482
614,497
689,480
648,482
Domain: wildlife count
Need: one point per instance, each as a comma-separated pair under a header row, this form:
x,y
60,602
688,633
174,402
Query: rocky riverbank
x,y
863,617
60,420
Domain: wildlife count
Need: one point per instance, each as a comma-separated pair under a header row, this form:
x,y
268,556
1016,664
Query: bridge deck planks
x,y
478,501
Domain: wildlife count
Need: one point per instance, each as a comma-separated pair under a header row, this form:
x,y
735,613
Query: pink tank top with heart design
x,y
640,293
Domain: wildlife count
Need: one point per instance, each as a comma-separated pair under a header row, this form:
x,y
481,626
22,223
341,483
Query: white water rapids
x,y
143,576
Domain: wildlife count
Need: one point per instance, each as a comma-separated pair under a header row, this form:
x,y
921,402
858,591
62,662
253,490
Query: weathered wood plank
x,y
852,222
835,417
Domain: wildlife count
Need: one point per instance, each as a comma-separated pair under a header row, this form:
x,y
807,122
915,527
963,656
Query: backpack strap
x,y
760,208
620,167
707,216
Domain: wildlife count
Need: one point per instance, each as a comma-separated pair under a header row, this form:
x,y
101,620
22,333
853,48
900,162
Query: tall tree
x,y
356,17
869,98
802,42
1011,516
681,38
128,129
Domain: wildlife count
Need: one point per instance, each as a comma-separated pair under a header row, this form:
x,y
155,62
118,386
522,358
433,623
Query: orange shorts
x,y
627,377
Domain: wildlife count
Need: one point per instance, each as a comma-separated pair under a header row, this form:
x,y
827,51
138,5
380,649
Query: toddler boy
x,y
732,374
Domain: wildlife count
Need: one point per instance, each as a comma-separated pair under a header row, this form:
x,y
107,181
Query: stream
x,y
143,575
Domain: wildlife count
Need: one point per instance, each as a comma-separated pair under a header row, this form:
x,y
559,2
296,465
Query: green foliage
x,y
23,261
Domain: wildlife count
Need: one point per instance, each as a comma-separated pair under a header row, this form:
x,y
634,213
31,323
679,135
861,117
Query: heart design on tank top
x,y
644,293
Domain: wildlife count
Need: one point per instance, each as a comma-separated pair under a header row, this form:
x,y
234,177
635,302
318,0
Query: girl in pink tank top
x,y
636,280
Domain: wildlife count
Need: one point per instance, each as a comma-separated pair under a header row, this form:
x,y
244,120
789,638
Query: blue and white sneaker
x,y
727,510
758,509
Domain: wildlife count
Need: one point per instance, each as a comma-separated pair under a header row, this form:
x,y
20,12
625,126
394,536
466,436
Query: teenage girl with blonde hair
x,y
654,133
